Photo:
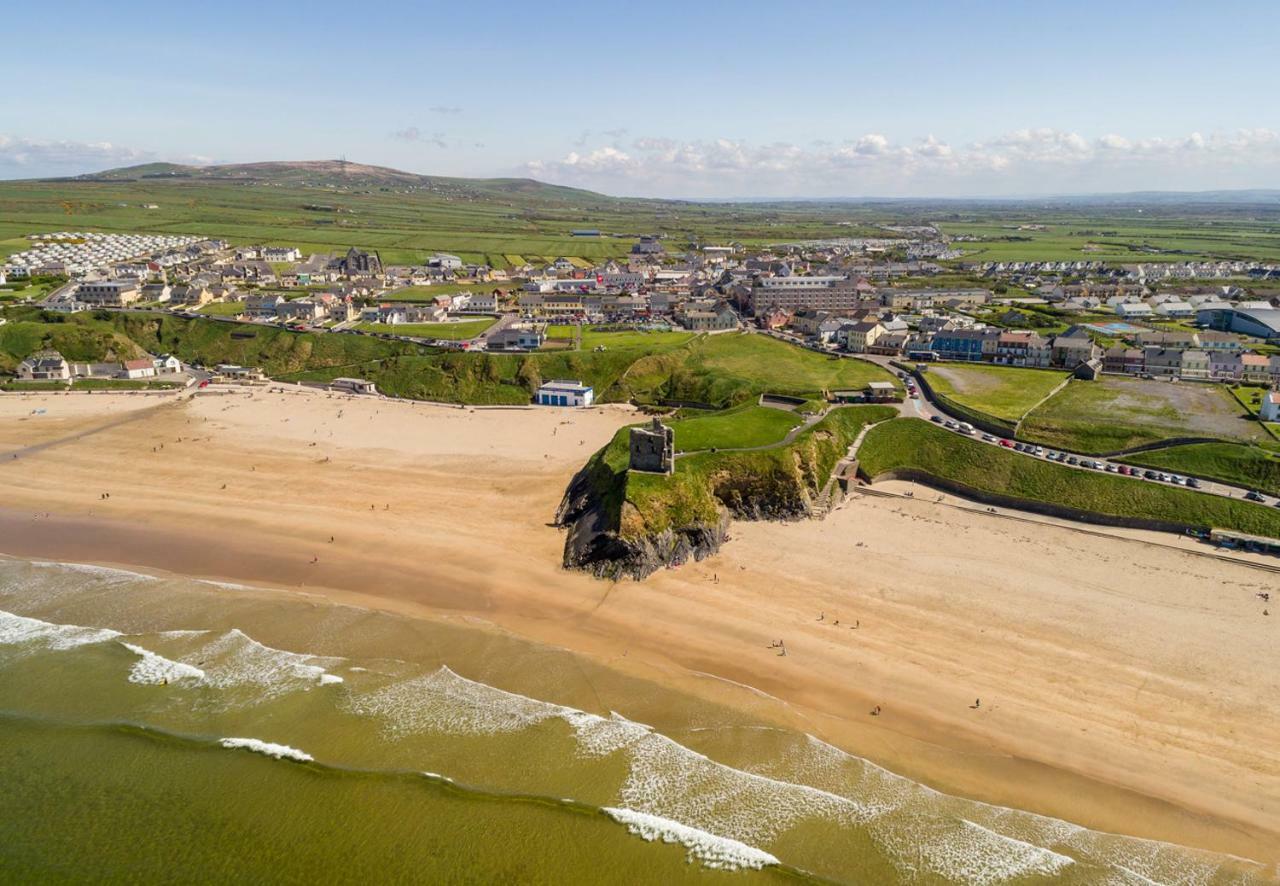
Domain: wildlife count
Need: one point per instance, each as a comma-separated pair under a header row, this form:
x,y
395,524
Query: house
x,y
1254,368
1270,407
167,364
263,304
135,369
891,344
357,262
156,292
305,310
280,254
807,320
1072,349
1195,364
861,336
1133,310
444,261
480,303
1022,349
44,366
564,392
1162,362
718,319
961,344
1120,360
109,293
353,385
525,337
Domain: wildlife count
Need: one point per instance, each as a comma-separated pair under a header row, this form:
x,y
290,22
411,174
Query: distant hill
x,y
344,175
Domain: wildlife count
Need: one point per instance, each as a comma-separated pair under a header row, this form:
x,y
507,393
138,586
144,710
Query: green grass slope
x,y
917,444
1248,466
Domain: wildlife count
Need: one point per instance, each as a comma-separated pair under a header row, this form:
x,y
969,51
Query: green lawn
x,y
739,428
915,443
1005,392
629,338
223,308
423,294
775,482
457,331
1113,414
1252,467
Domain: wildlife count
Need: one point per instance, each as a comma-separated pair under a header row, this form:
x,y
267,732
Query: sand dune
x,y
1123,685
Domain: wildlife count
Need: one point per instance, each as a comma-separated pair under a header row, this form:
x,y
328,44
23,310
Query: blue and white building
x,y
565,392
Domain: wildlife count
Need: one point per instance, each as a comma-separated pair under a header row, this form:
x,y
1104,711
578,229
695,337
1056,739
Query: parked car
x,y
1254,495
987,438
1112,469
1072,460
1007,444
1193,482
1149,475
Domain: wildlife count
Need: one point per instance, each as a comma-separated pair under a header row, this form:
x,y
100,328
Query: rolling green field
x,y
1253,467
1119,236
738,428
915,443
1005,392
1113,414
457,331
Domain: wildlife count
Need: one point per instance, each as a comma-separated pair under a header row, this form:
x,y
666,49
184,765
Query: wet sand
x,y
1124,686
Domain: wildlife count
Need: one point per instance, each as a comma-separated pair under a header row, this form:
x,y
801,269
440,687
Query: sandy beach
x,y
1126,686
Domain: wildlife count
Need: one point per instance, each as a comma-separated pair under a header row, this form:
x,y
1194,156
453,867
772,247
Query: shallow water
x,y
163,729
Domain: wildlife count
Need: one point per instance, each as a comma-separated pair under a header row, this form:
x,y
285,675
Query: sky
x,y
704,99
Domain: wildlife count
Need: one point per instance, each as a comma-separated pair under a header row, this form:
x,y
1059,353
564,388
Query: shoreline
x,y
699,629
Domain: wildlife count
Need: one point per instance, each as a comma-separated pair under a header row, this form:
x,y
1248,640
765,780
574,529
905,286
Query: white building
x,y
1270,410
565,392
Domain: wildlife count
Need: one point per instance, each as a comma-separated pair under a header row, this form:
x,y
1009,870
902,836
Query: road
x,y
921,407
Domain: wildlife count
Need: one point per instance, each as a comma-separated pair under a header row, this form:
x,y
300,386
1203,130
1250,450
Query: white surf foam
x,y
156,670
921,830
720,853
234,660
20,630
270,749
106,572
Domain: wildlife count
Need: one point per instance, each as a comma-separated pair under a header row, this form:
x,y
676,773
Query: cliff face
x,y
610,539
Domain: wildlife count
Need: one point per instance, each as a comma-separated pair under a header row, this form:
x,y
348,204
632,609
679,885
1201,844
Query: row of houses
x,y
49,365
1193,364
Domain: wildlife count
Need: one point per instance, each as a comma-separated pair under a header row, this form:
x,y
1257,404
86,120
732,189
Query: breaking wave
x,y
267,748
714,852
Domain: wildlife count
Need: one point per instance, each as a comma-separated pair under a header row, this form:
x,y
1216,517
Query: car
x,y
1007,444
1018,447
1112,469
937,419
987,438
1162,477
1175,479
1072,460
1039,450
1254,495
1193,483
955,426
1149,475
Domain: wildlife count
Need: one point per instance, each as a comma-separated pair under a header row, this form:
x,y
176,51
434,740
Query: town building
x,y
44,366
565,392
353,385
825,293
109,293
861,336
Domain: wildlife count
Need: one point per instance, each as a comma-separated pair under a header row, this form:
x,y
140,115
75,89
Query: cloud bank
x,y
34,158
1026,161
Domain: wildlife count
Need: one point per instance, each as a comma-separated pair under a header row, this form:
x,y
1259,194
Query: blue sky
x,y
702,99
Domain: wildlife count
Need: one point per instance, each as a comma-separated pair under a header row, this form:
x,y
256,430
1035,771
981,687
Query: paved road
x,y
922,407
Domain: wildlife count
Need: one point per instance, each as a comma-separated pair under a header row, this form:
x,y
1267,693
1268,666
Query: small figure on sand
x,y
875,712
1266,598
821,616
977,703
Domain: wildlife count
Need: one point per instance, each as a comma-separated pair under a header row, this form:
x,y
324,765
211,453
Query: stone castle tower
x,y
653,448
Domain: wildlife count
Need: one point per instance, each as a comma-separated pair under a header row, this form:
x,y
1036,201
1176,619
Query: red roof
x,y
138,364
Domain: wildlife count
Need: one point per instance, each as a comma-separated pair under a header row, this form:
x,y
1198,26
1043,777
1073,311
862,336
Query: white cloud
x,y
34,158
1033,160
414,134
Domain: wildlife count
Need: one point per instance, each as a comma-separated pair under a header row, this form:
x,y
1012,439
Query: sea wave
x,y
268,748
16,630
155,670
106,572
922,831
720,853
235,660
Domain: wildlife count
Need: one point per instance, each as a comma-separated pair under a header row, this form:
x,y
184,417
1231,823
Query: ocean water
x,y
163,730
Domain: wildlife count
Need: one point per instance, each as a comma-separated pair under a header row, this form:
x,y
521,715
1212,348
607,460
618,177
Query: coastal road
x,y
922,407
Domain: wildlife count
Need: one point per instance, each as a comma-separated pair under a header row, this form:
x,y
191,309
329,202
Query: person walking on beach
x,y
875,712
977,703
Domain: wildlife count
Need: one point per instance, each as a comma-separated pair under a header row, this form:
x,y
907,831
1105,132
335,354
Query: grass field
x,y
456,331
739,428
1117,237
1114,414
222,309
775,482
1253,467
915,443
630,338
1005,392
422,294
